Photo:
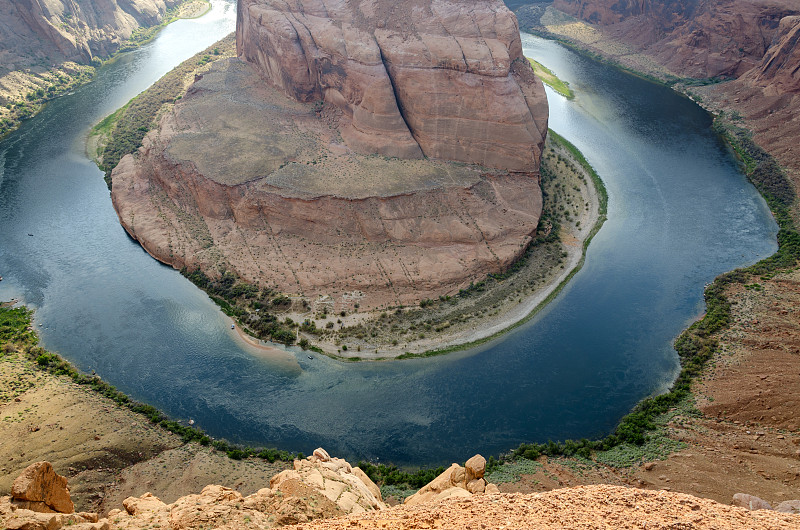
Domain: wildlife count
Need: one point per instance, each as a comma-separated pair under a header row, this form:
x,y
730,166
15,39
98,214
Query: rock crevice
x,y
428,78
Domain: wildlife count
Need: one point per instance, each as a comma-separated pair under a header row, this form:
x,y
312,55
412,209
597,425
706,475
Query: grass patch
x,y
398,492
550,79
513,470
391,475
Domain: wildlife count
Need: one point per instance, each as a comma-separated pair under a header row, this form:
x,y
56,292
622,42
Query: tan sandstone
x,y
39,488
455,482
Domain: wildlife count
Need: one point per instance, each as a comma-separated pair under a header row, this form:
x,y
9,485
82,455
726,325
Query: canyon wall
x,y
441,78
46,32
241,177
693,38
751,43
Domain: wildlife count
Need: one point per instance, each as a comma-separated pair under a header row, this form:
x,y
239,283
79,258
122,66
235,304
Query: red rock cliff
x,y
695,38
442,78
76,30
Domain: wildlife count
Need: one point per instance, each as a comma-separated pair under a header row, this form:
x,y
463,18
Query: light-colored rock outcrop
x,y
456,482
299,499
751,502
440,78
317,487
347,487
39,488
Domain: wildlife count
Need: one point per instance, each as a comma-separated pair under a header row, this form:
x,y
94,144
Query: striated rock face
x,y
779,71
694,38
238,175
58,30
40,489
441,78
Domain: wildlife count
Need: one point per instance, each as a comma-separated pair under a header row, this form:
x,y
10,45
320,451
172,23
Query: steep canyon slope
x,y
319,162
47,45
693,38
752,44
53,31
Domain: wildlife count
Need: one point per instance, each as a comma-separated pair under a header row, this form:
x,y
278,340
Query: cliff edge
x,y
327,493
322,164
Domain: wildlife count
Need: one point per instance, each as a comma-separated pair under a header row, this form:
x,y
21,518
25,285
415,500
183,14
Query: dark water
x,y
680,213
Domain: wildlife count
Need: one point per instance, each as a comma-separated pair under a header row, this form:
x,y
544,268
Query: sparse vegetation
x,y
16,335
550,79
122,132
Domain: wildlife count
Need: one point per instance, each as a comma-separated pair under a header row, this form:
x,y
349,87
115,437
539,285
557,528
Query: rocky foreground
x,y
320,162
325,492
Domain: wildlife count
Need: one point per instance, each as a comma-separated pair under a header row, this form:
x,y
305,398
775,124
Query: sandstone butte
x,y
321,162
327,493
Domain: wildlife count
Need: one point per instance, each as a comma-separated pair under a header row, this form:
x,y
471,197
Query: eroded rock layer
x,y
695,38
757,42
242,177
442,78
56,30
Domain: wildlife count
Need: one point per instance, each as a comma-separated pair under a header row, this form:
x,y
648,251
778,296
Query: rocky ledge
x,y
325,492
322,164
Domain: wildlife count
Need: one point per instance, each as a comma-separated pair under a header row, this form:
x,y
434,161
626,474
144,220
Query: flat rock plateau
x,y
373,153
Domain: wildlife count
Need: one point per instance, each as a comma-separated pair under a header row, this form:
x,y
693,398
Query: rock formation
x,y
753,42
57,30
779,71
694,38
751,502
442,78
456,482
307,496
270,178
40,489
347,487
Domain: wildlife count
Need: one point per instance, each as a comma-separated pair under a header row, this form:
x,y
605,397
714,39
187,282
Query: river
x,y
679,214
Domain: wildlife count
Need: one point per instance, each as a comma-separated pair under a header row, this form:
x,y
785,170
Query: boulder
x,y
476,467
788,507
455,481
751,502
348,488
477,485
41,489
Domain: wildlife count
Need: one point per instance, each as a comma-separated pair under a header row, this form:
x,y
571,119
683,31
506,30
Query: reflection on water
x,y
679,214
